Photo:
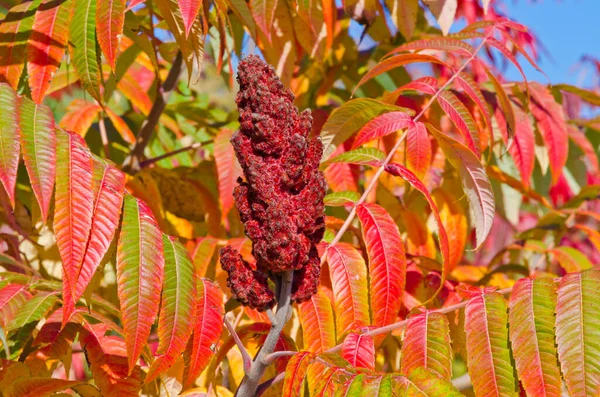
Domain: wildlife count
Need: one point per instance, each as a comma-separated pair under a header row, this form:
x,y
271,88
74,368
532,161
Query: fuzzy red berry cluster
x,y
280,200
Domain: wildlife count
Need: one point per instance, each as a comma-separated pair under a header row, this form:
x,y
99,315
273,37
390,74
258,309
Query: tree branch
x,y
148,162
245,356
104,136
132,162
249,385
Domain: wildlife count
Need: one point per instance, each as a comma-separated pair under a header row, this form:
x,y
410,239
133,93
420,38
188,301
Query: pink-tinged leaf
x,y
359,350
578,137
522,149
177,307
264,14
348,273
207,328
38,143
427,344
462,119
488,354
531,325
45,51
578,332
203,253
381,126
318,323
387,262
550,120
140,271
110,18
38,386
15,30
12,298
341,176
509,55
439,43
455,222
107,356
189,12
121,126
74,201
421,382
469,86
474,180
295,373
397,61
9,140
228,170
516,46
108,188
407,175
418,149
80,116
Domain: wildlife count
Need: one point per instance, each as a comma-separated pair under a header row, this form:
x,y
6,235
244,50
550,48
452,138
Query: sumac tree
x,y
426,228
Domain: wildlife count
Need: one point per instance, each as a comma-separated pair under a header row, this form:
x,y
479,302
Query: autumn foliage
x,y
288,198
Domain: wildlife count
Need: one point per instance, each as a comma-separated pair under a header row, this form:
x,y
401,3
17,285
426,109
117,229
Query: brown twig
x,y
148,162
132,162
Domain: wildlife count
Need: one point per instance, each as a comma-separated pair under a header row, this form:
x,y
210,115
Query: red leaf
x,y
462,118
228,170
80,116
107,356
522,149
207,328
438,43
73,206
38,143
348,274
189,12
551,122
318,323
9,140
387,262
407,175
455,223
502,48
12,298
45,51
177,307
140,271
295,373
359,350
109,186
418,149
381,126
264,14
466,82
110,18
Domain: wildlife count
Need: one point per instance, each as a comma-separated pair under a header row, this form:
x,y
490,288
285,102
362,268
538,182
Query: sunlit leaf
x,y
444,11
360,156
348,274
12,299
176,309
263,12
9,140
140,271
318,323
418,149
531,319
83,46
110,19
228,170
359,350
295,373
80,116
338,199
38,386
38,143
571,259
33,310
462,119
189,12
381,126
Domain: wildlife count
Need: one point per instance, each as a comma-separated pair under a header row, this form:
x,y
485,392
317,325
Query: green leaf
x,y
571,259
177,307
38,143
361,156
588,96
33,310
83,46
140,271
338,199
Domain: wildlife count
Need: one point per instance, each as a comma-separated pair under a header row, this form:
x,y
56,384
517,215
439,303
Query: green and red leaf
x,y
177,307
38,144
295,373
462,119
531,325
427,344
348,273
12,299
140,271
387,262
83,46
578,332
381,126
9,140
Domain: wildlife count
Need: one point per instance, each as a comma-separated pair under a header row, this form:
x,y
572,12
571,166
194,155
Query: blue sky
x,y
567,28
